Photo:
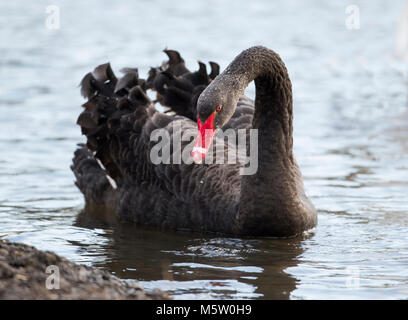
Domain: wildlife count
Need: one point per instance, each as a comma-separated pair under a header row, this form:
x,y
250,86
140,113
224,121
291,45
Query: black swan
x,y
114,170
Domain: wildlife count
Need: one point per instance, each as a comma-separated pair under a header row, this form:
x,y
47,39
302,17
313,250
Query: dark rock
x,y
23,275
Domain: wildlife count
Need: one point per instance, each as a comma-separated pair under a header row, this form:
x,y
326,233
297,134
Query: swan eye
x,y
219,108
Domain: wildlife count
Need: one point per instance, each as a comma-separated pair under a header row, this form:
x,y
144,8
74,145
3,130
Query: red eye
x,y
219,107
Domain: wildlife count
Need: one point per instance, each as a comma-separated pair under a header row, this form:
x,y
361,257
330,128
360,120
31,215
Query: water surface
x,y
350,136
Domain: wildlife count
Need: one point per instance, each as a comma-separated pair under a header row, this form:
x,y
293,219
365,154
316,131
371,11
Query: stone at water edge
x,y
23,275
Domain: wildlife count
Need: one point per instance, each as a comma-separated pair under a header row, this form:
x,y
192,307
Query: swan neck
x,y
267,196
273,115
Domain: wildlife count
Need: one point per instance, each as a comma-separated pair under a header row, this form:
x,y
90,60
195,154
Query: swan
x,y
114,171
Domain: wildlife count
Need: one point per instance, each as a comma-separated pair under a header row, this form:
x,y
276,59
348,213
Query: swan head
x,y
213,111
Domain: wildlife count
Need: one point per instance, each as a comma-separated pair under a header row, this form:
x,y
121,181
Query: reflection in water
x,y
191,265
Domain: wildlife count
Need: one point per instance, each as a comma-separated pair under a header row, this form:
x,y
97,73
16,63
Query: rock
x,y
27,273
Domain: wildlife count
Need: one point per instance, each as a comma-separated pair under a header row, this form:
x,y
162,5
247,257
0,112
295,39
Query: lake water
x,y
350,136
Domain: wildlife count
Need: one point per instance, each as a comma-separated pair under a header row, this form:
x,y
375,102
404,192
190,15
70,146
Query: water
x,y
351,130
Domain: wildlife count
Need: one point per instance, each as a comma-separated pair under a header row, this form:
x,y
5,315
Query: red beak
x,y
205,136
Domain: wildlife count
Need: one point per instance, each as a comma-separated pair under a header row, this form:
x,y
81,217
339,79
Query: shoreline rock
x,y
30,274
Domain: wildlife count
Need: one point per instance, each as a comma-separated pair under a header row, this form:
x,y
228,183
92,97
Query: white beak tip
x,y
197,157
